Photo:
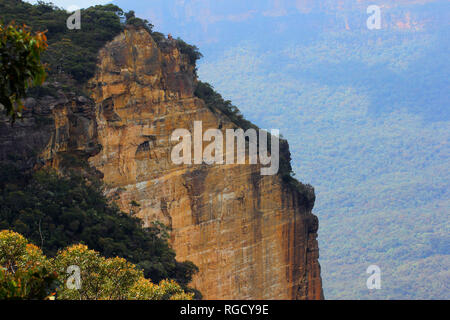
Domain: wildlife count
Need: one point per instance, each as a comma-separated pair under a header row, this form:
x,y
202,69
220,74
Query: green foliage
x,y
54,212
165,290
27,285
132,20
101,278
74,53
24,275
71,52
214,102
158,36
191,51
20,65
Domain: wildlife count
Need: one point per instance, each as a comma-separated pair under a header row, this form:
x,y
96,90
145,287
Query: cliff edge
x,y
250,235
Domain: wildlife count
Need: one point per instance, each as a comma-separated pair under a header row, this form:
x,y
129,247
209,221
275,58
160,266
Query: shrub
x,y
55,212
25,273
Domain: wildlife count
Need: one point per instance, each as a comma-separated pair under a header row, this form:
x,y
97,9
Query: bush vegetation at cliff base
x,y
26,273
55,212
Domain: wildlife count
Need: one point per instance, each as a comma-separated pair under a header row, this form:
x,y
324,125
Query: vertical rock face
x,y
251,236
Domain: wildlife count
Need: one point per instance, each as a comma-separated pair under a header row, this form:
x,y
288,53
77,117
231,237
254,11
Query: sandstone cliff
x,y
249,235
252,236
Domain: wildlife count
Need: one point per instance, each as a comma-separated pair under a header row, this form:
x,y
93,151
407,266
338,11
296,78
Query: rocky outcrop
x,y
57,130
252,236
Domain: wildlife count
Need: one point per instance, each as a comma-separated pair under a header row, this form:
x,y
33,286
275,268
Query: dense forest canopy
x,y
366,114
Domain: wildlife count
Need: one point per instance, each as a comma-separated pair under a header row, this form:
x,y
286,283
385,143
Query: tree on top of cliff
x,y
72,52
132,20
190,50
